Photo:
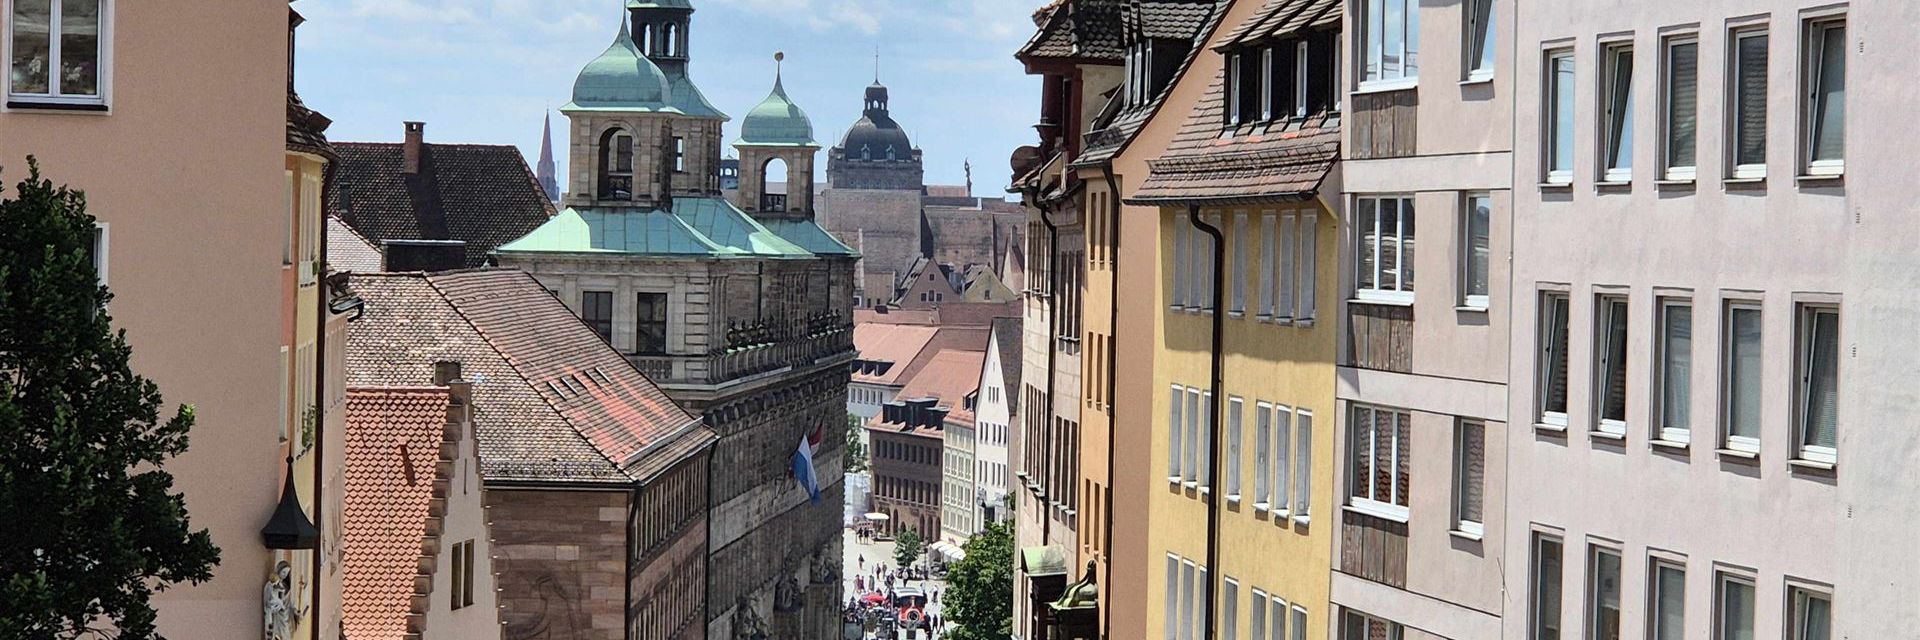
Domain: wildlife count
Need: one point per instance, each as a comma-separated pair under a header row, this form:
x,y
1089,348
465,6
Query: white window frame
x,y
1721,580
1390,509
1240,241
1263,455
1602,369
1302,466
1233,90
1739,171
1797,600
1615,168
1257,616
1182,264
1282,461
1804,327
1729,441
1277,611
1187,570
1305,296
1593,595
102,242
1654,612
1468,210
1550,109
1171,627
1537,617
1812,41
1671,171
1189,466
1479,40
1206,441
1299,624
55,98
1372,52
1230,608
1289,258
1543,369
1401,293
1269,297
1266,84
1175,422
1236,406
1665,430
1300,79
1461,524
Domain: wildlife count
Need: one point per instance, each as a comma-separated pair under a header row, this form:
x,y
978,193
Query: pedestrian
x,y
863,561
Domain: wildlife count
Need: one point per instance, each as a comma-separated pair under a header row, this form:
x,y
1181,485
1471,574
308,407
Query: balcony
x,y
773,202
754,349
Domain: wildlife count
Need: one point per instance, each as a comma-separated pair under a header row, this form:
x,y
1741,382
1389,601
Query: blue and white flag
x,y
803,470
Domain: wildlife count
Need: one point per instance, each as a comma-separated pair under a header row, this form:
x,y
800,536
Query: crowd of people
x,y
886,600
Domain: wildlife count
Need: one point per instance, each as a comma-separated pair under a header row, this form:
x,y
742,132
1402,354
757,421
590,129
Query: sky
x,y
483,71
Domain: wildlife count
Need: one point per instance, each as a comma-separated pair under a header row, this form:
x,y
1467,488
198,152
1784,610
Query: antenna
x,y
876,63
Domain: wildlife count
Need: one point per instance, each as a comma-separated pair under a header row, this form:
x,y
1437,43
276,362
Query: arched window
x,y
865,153
890,154
773,185
669,44
643,35
616,164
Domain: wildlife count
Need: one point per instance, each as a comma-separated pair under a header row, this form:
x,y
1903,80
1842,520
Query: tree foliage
x,y
854,456
907,548
93,524
979,596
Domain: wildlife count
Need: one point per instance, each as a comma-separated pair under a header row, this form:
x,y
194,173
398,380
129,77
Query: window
x,y
1240,242
1675,374
1391,42
1181,266
1603,594
1257,616
1309,252
462,569
679,154
1818,382
1303,466
1359,626
650,318
1300,624
1277,610
1616,131
1268,296
1235,89
1200,585
1680,106
1229,609
1826,96
1282,459
1176,401
596,308
1551,375
1266,84
1380,473
1171,629
1262,443
1546,587
1559,117
1610,367
1812,615
1469,476
1300,75
1204,417
59,54
1288,257
1188,467
1234,406
1667,595
1475,250
1480,44
1386,249
1734,603
97,252
1749,103
1741,377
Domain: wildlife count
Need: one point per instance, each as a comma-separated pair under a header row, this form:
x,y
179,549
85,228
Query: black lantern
x,y
290,529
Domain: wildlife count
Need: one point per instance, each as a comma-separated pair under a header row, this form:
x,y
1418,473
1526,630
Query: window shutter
x,y
1267,301
1288,225
1309,251
1303,468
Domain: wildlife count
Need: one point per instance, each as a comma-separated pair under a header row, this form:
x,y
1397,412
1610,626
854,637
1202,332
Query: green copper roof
x,y
777,121
1043,561
708,227
809,236
687,98
660,4
621,79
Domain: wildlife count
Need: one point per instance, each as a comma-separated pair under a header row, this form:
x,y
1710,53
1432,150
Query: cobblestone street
x,y
865,559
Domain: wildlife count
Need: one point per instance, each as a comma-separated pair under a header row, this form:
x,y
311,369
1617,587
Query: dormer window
x,y
866,153
58,52
616,165
890,154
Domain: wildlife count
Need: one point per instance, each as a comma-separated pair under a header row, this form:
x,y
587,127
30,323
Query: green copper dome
x,y
621,80
777,121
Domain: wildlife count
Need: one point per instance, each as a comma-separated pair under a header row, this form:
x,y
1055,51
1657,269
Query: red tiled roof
x,y
948,378
483,195
1077,30
558,403
895,343
393,438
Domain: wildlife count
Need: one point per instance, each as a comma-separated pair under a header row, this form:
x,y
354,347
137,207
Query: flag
x,y
803,470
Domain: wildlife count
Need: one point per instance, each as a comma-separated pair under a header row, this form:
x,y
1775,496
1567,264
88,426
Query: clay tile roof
x,y
1006,336
1184,20
948,378
1077,30
895,343
307,129
351,252
1279,17
483,195
1175,19
557,403
393,440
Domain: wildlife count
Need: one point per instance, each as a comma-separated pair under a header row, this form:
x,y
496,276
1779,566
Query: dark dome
x,y
877,133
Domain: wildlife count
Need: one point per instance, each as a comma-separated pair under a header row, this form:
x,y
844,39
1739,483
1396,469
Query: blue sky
x,y
482,71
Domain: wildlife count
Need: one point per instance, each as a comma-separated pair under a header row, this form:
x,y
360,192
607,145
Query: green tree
x,y
94,525
854,456
907,548
979,595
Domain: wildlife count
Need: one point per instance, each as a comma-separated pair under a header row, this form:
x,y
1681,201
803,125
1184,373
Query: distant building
x,y
435,207
993,415
739,309
545,172
909,446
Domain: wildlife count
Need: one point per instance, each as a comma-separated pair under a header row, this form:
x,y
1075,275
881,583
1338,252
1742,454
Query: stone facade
x,y
561,559
907,479
668,534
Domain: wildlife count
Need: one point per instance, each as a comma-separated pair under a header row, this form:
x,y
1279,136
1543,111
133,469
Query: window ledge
x,y
1281,320
1465,535
1236,314
1821,179
1262,507
1173,480
67,107
1555,429
1467,308
1302,520
1613,184
1608,435
1303,323
1383,86
1557,186
1376,512
1477,78
1810,465
1382,301
1233,499
1674,183
1738,183
1668,444
1738,454
1190,484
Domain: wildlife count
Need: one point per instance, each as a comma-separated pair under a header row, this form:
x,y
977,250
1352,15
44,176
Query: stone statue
x,y
786,593
825,571
747,623
277,603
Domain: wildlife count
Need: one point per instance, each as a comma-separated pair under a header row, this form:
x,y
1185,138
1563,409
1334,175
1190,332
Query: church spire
x,y
548,180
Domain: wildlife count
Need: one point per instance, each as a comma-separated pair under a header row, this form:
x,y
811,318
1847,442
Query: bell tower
x,y
660,29
776,131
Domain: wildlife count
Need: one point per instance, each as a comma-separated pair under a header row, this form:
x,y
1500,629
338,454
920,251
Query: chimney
x,y
445,372
410,154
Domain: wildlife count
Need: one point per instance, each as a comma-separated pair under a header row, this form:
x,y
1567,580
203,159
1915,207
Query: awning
x,y
878,517
952,552
1043,561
